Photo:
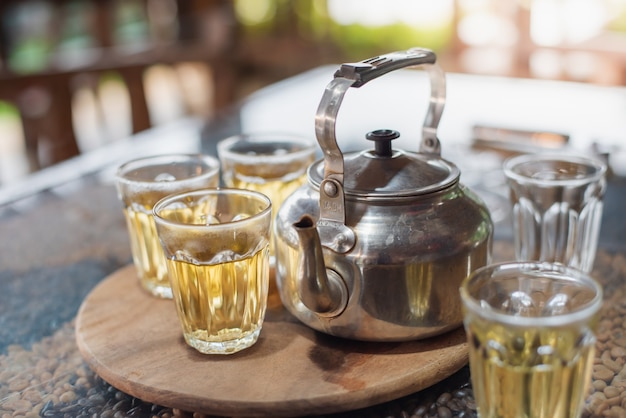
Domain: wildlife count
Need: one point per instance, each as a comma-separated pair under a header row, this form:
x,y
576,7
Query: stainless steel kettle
x,y
375,246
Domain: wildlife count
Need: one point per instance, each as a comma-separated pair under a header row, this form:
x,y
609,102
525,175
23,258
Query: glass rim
x,y
568,273
124,168
224,150
266,211
598,165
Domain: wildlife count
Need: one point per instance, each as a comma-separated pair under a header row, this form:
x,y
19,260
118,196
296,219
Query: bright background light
x,y
377,13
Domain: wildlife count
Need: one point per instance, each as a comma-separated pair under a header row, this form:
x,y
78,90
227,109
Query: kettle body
x,y
375,246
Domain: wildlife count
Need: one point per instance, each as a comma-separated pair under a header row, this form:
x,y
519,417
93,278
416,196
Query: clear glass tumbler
x,y
274,164
216,243
557,207
140,184
530,328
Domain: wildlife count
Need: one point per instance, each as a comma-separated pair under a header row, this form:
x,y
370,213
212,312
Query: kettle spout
x,y
321,290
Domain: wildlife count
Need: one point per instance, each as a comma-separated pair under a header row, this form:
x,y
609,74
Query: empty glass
x,y
557,207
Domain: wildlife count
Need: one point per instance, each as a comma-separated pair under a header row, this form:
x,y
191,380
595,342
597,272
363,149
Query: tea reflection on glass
x,y
531,344
216,243
143,182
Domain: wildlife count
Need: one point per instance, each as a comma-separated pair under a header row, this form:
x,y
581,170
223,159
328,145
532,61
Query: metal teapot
x,y
375,246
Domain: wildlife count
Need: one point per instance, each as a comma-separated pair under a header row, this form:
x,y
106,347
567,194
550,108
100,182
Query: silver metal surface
x,y
322,290
393,229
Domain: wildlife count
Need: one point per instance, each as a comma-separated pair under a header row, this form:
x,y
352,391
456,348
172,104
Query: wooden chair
x,y
44,96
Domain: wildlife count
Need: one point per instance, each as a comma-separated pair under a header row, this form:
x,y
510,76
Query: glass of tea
x,y
557,207
140,184
270,163
216,243
530,329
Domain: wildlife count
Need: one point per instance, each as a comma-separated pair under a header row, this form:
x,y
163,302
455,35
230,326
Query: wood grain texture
x,y
134,342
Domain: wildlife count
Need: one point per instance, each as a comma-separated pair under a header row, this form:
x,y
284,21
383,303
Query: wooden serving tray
x,y
134,342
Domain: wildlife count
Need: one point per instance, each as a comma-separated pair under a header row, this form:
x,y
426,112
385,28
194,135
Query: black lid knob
x,y
382,141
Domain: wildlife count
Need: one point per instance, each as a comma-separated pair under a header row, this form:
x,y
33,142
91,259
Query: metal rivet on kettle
x,y
330,189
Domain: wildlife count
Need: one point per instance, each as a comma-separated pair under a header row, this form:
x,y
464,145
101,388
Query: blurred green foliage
x,y
8,110
359,41
311,21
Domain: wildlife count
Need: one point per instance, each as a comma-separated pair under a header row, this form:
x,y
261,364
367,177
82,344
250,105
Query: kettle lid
x,y
386,173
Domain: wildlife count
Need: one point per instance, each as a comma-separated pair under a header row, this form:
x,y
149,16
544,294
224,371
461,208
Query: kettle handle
x,y
332,207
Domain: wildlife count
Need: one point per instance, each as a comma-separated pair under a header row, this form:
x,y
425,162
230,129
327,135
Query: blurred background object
x,y
78,74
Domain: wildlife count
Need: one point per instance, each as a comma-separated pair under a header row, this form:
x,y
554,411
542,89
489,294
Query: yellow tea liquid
x,y
141,184
276,182
147,252
277,189
221,306
538,373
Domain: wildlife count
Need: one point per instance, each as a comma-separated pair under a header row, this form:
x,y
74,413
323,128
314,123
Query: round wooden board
x,y
134,342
